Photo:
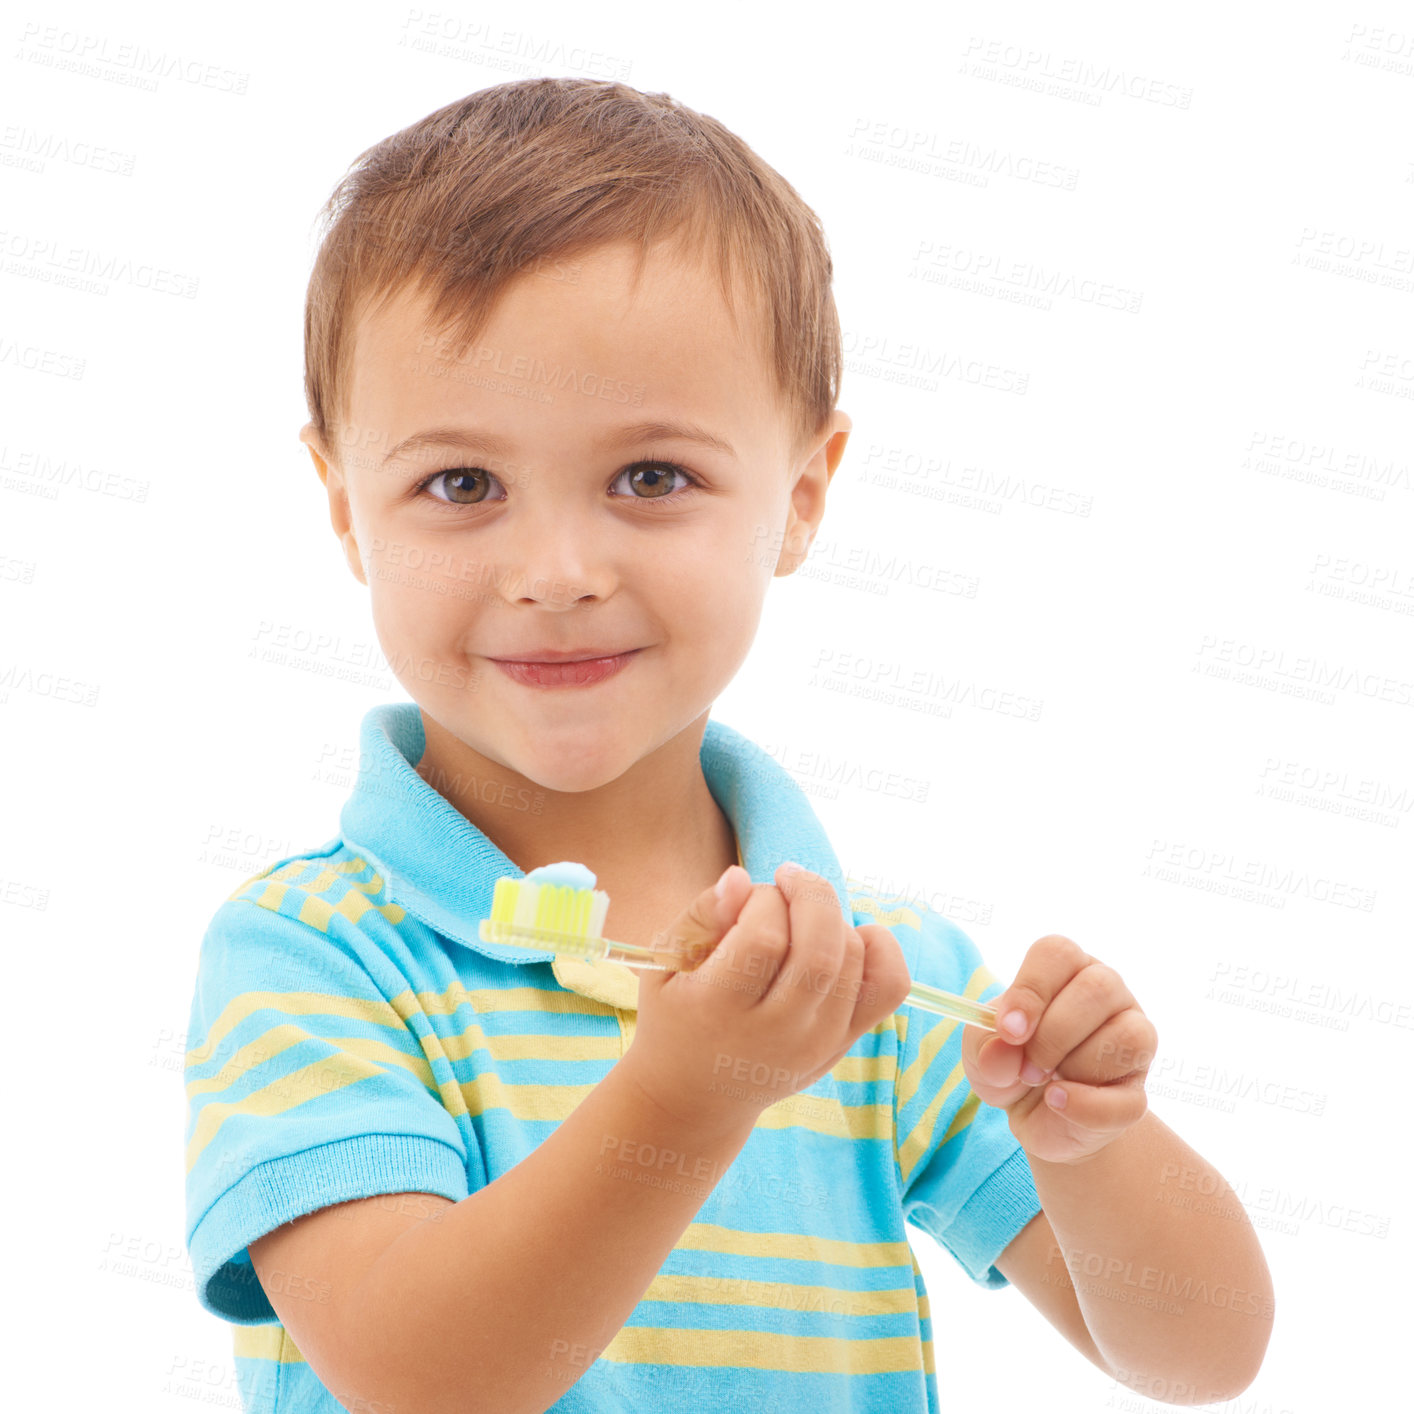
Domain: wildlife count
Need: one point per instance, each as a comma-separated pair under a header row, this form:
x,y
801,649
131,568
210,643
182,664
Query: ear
x,y
340,512
807,497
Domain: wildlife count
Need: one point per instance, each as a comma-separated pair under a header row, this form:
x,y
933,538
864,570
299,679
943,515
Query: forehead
x,y
574,346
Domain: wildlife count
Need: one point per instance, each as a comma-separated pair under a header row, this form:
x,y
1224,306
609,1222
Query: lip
x,y
563,655
565,671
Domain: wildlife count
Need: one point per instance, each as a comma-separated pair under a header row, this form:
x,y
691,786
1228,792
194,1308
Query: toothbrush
x,y
558,909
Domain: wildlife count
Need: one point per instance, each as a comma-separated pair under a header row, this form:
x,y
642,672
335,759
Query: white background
x,y
1200,509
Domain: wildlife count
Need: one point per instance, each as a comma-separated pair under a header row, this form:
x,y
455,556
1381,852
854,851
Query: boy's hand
x,y
1084,1039
788,986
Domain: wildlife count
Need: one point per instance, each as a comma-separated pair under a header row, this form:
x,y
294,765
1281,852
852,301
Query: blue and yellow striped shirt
x,y
351,1035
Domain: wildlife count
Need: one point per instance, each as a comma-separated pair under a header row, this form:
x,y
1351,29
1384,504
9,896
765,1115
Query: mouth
x,y
564,655
564,670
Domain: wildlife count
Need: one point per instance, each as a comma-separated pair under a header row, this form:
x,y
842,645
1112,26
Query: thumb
x,y
697,930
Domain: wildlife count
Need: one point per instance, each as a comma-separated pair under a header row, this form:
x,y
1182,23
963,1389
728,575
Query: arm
x,y
510,1294
1173,1301
1176,1299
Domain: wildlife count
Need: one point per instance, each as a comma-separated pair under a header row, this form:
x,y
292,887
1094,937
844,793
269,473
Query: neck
x,y
656,832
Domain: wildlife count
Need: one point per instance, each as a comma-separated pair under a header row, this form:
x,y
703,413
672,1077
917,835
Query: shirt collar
x,y
442,869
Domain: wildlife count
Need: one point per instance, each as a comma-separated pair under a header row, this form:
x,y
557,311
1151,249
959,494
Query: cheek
x,y
744,548
759,536
414,594
731,562
728,573
423,632
715,612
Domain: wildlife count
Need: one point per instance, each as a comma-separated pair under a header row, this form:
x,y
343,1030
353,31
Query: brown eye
x,y
464,485
653,481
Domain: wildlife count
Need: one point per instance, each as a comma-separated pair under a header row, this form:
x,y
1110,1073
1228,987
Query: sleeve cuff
x,y
280,1190
986,1224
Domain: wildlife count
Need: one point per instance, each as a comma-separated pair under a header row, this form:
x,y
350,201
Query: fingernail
x,y
1015,1022
1056,1098
1032,1074
721,886
790,866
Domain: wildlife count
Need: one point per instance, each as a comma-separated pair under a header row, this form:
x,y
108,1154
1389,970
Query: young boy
x,y
572,361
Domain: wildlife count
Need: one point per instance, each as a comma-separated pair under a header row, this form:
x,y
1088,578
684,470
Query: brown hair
x,y
520,174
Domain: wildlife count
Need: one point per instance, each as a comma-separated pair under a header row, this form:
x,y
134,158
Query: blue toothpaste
x,y
566,872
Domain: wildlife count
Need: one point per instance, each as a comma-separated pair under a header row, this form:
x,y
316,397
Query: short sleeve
x,y
966,1180
306,1086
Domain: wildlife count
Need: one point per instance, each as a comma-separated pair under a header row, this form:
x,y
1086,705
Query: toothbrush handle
x,y
949,1004
632,955
920,994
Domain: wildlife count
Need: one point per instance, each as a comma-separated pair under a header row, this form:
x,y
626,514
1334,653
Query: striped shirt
x,y
351,1036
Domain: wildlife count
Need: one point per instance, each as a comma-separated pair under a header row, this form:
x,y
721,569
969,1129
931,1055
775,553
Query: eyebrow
x,y
651,431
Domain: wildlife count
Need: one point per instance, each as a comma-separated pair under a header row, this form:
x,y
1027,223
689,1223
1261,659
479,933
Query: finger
x,y
1124,1045
835,1013
816,939
1049,964
752,951
991,1066
1099,1111
1081,1007
699,928
706,920
850,989
884,980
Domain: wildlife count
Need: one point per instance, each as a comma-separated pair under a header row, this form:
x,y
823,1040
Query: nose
x,y
553,559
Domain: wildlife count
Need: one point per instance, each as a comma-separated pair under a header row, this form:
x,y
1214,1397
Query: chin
x,y
566,777
574,761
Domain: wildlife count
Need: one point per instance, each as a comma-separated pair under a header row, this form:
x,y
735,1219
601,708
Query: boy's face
x,y
570,533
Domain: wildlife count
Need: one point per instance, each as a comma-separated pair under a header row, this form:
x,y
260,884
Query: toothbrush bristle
x,y
520,906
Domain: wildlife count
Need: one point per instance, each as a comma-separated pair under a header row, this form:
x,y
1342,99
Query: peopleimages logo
x,y
1067,76
1170,861
1306,999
